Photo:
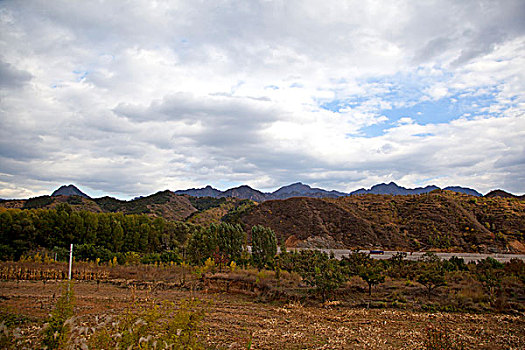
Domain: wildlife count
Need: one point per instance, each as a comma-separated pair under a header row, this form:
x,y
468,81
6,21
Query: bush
x,y
166,257
85,252
321,272
58,327
163,326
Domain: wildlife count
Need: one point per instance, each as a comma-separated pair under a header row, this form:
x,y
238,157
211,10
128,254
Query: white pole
x,y
70,260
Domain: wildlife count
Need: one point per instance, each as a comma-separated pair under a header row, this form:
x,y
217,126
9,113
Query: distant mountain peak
x,y
293,187
69,190
299,189
245,192
207,191
243,187
394,189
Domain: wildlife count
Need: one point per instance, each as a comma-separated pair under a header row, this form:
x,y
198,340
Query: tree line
x,y
25,231
128,238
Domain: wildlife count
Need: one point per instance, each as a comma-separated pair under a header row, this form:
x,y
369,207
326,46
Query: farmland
x,y
246,306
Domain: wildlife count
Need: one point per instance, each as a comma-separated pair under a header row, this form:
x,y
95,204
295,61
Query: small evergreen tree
x,y
57,330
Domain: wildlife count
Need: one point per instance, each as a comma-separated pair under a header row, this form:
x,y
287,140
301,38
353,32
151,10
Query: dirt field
x,y
233,319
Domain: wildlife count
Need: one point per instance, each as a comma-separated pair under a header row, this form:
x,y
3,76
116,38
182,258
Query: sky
x,y
128,98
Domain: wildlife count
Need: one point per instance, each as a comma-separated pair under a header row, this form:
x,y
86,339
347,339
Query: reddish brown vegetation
x,y
440,220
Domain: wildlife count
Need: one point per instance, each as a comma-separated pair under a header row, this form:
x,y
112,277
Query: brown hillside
x,y
213,214
164,204
12,203
503,194
48,202
306,218
441,220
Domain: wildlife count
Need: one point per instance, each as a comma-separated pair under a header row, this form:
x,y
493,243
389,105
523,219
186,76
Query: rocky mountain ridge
x,y
299,189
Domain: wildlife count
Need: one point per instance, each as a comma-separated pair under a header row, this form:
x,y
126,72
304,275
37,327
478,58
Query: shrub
x,y
58,327
167,257
84,252
162,326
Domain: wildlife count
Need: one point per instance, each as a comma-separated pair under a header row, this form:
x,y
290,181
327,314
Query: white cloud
x,y
133,98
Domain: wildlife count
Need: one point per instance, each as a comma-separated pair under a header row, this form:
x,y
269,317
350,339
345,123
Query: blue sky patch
x,y
418,106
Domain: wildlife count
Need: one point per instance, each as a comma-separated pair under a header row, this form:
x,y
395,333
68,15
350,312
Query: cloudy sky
x,y
128,98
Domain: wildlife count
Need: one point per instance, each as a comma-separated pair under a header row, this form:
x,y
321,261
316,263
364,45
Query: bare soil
x,y
234,319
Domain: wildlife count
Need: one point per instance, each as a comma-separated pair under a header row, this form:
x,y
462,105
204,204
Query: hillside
x,y
441,220
214,210
164,204
503,194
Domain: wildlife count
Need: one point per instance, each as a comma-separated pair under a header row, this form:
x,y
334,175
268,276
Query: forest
x,y
96,235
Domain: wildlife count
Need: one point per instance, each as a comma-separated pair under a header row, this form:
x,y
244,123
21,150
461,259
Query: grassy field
x,y
247,309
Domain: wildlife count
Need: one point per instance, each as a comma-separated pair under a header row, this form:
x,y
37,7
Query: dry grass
x,y
233,319
250,306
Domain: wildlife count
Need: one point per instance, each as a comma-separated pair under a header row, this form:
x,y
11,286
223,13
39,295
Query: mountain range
x,y
301,190
437,219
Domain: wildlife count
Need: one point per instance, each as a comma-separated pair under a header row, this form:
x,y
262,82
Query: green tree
x,y
230,240
431,275
320,271
490,273
354,262
264,246
372,274
117,234
201,246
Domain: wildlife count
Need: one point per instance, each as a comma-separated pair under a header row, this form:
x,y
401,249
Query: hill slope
x,y
164,204
503,194
442,220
